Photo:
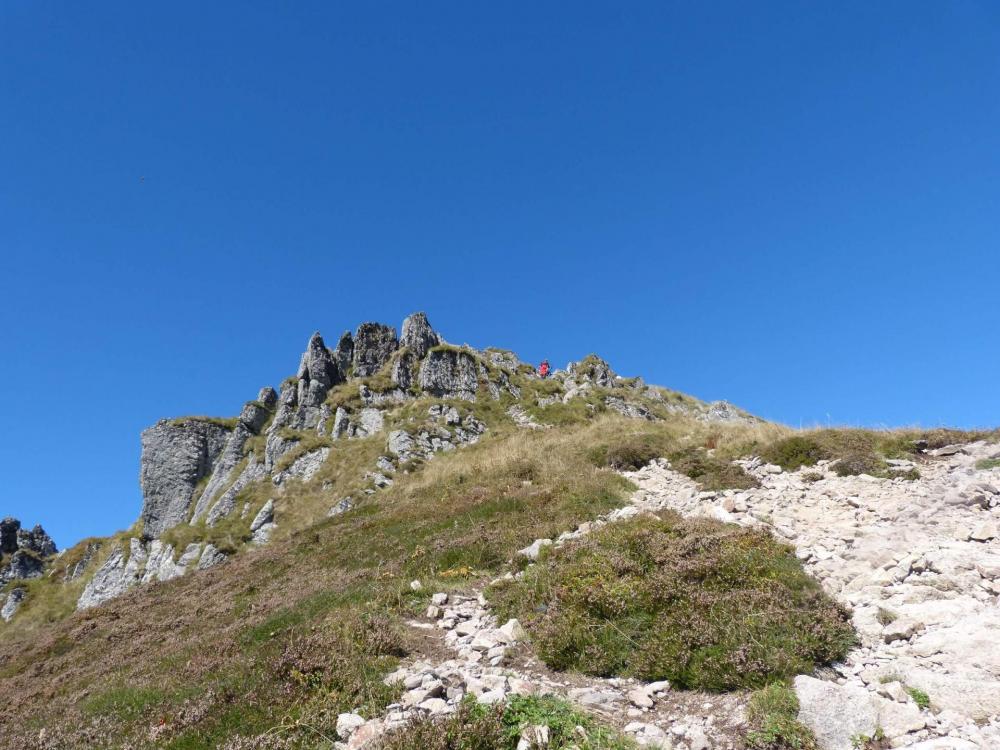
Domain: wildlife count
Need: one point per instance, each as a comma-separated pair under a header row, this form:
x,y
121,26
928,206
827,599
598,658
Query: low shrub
x,y
700,603
792,452
860,463
710,472
477,727
771,714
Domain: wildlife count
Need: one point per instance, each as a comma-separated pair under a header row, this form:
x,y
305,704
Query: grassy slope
x,y
280,640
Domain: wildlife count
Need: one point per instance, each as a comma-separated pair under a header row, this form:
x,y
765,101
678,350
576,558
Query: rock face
x,y
418,336
374,344
175,457
449,373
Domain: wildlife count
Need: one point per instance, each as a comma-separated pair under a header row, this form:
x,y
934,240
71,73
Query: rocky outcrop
x,y
176,455
449,373
374,344
28,550
144,562
263,524
418,336
12,603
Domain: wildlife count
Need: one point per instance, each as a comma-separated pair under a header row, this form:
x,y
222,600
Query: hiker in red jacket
x,y
543,369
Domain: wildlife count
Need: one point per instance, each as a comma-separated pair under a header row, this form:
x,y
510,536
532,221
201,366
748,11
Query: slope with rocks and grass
x,y
412,543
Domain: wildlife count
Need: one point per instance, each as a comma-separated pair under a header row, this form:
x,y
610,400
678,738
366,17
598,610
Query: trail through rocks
x,y
918,562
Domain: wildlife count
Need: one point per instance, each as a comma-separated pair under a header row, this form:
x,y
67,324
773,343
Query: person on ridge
x,y
543,369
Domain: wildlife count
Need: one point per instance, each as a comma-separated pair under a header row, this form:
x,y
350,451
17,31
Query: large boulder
x,y
418,336
836,714
176,455
449,373
374,344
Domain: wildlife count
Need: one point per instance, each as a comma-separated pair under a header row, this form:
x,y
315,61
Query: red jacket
x,y
543,369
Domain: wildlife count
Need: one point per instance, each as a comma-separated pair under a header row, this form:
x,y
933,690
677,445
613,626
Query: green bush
x,y
710,472
703,604
772,713
792,452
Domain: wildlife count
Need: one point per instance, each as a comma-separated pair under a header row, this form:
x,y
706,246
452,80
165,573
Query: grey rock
x,y
374,344
222,471
210,557
344,353
24,564
449,373
534,550
504,359
836,714
36,541
288,402
628,408
318,372
304,467
116,576
400,444
275,447
268,397
723,411
160,564
341,423
370,421
12,603
175,457
402,370
253,472
264,516
254,416
417,335
341,507
8,535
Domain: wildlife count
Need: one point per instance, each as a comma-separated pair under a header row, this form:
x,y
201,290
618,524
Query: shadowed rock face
x,y
8,535
175,457
374,344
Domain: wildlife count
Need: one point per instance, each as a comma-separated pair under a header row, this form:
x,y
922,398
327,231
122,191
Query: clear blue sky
x,y
793,206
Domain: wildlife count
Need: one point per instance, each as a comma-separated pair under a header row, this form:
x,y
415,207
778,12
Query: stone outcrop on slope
x,y
195,470
176,456
23,552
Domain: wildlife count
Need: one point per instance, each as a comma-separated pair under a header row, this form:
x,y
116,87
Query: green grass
x,y
771,714
919,697
988,463
475,727
710,472
700,603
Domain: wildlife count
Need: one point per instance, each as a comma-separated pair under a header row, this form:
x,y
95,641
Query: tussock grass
x,y
700,603
772,715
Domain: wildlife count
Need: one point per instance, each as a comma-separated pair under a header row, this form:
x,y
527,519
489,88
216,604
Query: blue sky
x,y
793,206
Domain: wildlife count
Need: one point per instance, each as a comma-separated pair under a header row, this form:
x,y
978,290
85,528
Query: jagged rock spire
x,y
418,336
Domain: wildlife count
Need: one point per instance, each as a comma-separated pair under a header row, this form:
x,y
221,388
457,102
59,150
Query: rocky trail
x,y
918,562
